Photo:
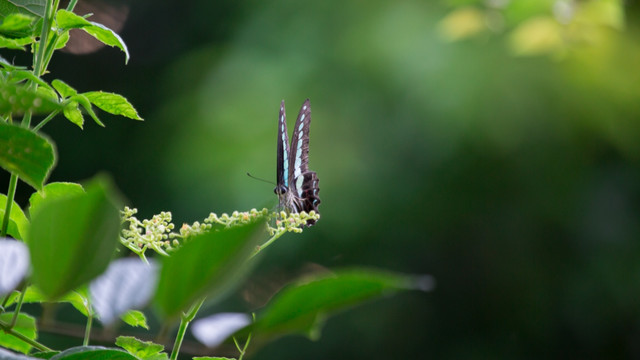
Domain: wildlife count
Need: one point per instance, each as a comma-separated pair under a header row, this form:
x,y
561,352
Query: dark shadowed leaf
x,y
20,98
302,307
93,353
25,153
207,265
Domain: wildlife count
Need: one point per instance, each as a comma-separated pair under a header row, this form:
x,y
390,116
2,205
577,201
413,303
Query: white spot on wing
x,y
299,181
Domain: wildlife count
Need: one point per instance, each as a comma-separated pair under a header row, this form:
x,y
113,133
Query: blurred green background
x,y
494,145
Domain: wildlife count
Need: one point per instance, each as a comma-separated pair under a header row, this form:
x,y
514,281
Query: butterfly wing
x,y
299,160
303,183
282,167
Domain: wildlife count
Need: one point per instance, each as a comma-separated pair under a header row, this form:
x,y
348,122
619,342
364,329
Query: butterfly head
x,y
280,190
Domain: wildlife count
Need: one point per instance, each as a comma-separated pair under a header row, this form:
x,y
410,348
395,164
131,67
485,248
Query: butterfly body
x,y
296,185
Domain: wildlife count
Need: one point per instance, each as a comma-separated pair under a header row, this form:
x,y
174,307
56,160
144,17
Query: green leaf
x,y
45,354
73,113
17,25
62,40
32,7
19,98
16,44
25,153
135,318
207,265
17,218
212,358
68,20
113,103
72,239
51,192
86,104
301,308
93,353
63,88
26,325
33,295
20,75
142,349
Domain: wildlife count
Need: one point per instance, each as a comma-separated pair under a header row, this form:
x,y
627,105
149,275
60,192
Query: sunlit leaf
x,y
51,192
69,20
63,88
73,114
18,222
25,153
26,325
72,239
17,25
135,318
462,23
113,103
33,295
536,36
83,100
145,350
16,44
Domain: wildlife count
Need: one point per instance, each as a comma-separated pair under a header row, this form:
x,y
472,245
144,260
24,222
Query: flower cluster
x,y
158,232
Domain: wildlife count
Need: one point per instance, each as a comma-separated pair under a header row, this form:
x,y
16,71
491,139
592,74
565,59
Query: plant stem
x,y
7,210
39,61
72,4
18,306
267,243
45,121
182,330
87,330
5,327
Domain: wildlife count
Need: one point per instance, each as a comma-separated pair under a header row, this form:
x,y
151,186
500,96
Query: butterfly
x,y
296,186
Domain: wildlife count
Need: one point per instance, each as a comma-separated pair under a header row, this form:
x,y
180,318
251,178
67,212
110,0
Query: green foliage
x,y
208,265
67,20
72,239
93,353
135,318
303,307
72,231
51,192
145,350
25,326
18,222
27,154
29,7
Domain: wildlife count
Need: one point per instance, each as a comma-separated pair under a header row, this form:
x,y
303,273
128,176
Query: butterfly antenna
x,y
263,180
